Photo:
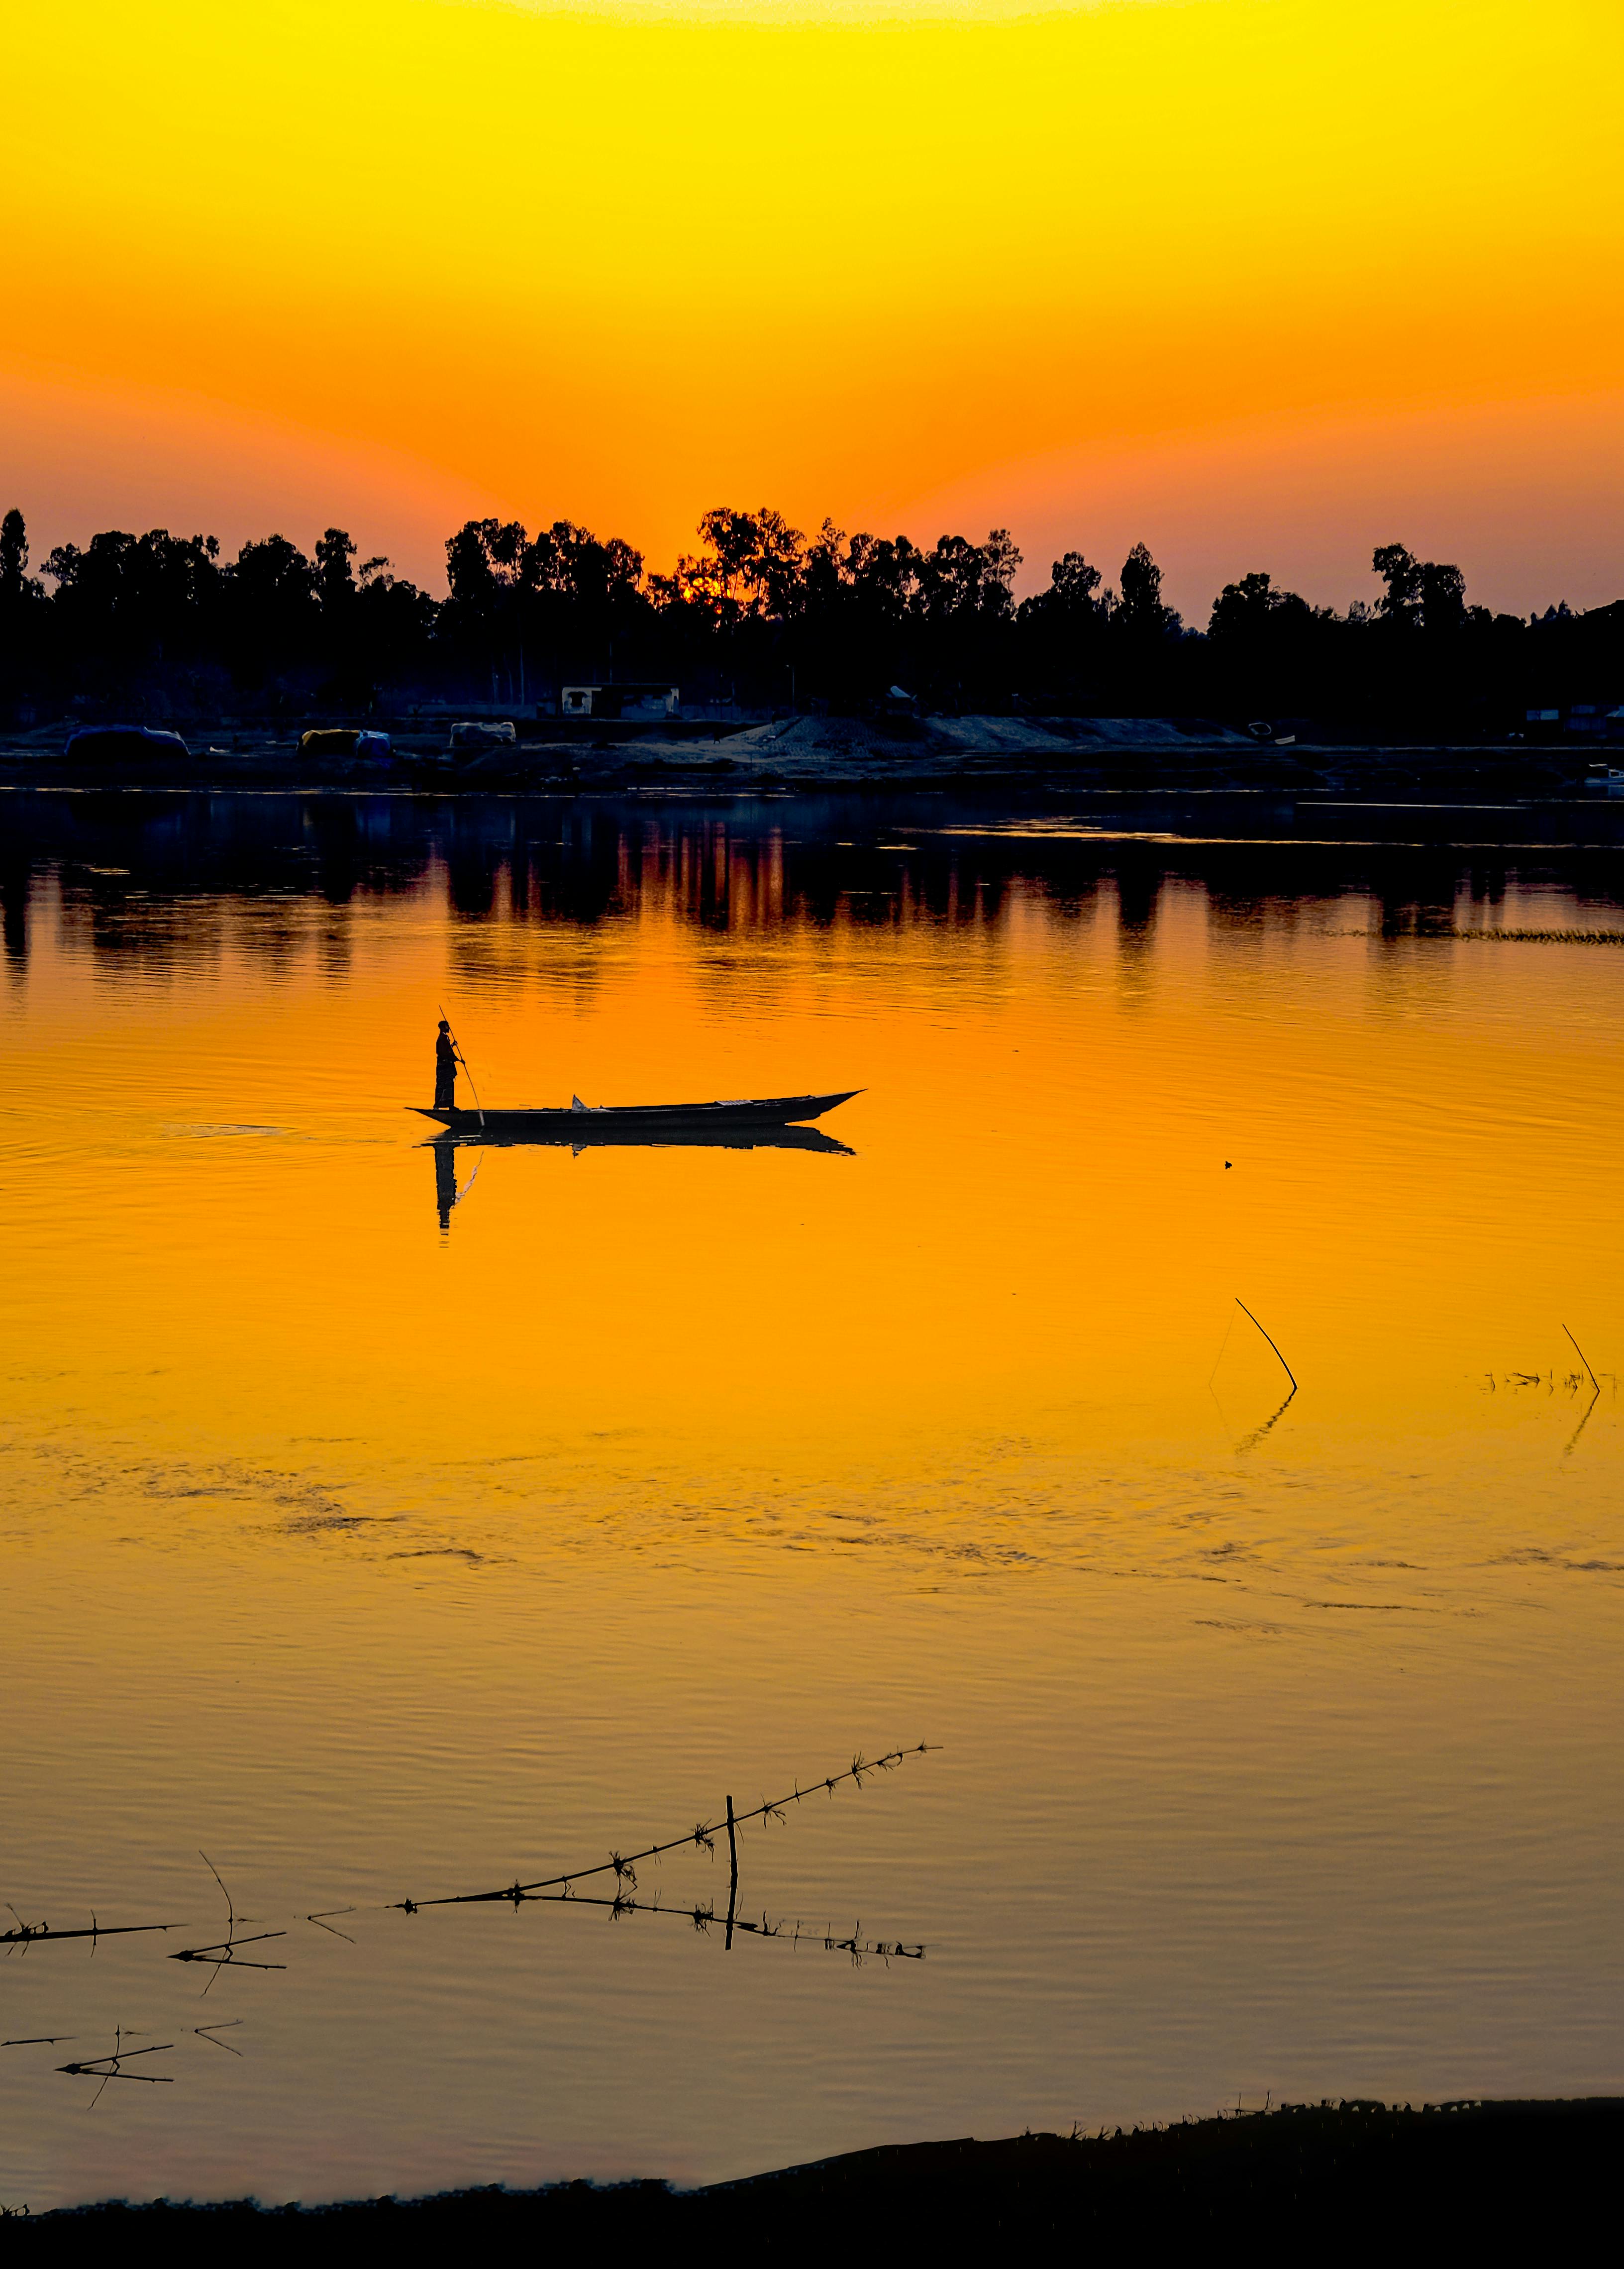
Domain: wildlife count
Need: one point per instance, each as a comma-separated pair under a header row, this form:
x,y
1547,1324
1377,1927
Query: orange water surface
x,y
379,1558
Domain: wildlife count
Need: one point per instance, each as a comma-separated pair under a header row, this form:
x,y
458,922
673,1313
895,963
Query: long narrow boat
x,y
585,1132
647,1120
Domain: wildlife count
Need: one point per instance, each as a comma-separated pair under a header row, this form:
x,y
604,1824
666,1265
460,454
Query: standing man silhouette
x,y
444,1070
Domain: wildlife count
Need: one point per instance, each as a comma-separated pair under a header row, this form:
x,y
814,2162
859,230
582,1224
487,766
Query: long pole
x,y
473,1090
1284,1366
732,1885
1584,1359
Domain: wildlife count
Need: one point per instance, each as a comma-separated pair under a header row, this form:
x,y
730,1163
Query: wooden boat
x,y
639,1122
584,1132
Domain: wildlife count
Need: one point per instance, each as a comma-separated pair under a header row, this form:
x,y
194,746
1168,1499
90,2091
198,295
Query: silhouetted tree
x,y
1139,613
136,607
1061,631
272,615
1269,649
964,607
335,577
1400,571
581,601
13,556
1436,658
1072,587
25,614
479,623
1244,610
761,609
390,630
753,566
1443,598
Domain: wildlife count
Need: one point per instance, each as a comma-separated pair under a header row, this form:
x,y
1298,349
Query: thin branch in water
x,y
40,1934
231,1911
1284,1366
207,2032
105,2068
322,1923
732,1873
222,1954
1584,1359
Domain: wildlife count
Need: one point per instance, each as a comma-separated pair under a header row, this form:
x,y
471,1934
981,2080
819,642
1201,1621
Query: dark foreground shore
x,y
1328,2176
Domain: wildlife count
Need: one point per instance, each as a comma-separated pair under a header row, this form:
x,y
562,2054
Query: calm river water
x,y
380,1559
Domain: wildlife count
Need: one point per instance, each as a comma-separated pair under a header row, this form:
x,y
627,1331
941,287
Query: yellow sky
x,y
1348,272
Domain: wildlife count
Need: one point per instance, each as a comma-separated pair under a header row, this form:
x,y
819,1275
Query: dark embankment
x,y
1489,2173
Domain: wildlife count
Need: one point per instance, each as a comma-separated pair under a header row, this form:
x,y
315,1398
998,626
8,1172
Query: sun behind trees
x,y
766,615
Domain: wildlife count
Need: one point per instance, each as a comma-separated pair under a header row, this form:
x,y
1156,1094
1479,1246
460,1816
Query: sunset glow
x,y
811,954
1247,273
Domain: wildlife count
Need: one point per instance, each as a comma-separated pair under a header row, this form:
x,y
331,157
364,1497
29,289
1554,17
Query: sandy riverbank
x,y
1459,798
1050,754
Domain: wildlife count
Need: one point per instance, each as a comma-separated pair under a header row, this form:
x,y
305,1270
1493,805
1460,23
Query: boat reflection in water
x,y
448,1190
745,1123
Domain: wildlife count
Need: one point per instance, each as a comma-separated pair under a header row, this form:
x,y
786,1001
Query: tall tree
x,y
1140,612
13,555
1442,597
1060,631
1401,572
753,566
335,577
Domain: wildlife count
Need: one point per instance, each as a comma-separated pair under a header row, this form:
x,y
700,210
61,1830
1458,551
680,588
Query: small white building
x,y
621,701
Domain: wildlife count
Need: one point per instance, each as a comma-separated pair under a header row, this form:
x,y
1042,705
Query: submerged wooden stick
x,y
1584,1359
28,1933
1284,1366
733,1883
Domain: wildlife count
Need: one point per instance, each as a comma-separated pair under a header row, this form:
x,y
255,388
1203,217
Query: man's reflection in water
x,y
444,1180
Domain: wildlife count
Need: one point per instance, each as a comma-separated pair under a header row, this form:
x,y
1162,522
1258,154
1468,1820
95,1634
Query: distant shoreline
x,y
1487,2170
1492,797
1058,754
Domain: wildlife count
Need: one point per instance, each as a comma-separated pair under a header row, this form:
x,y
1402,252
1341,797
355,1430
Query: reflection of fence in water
x,y
701,1918
556,1890
40,1934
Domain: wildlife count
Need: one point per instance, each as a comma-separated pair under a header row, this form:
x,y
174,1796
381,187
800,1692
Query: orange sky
x,y
1263,281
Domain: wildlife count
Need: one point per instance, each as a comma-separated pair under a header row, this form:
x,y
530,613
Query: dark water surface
x,y
378,1559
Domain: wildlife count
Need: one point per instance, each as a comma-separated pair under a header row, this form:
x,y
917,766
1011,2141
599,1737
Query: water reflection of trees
x,y
164,880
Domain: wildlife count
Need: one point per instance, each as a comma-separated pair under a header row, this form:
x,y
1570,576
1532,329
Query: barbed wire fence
x,y
702,1837
561,1889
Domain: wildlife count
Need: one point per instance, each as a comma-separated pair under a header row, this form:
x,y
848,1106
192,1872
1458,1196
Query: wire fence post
x,y
732,1884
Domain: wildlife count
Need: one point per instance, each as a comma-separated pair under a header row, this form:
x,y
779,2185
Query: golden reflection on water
x,y
377,1560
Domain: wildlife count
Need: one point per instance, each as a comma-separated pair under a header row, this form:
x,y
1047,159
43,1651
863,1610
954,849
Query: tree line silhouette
x,y
763,615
